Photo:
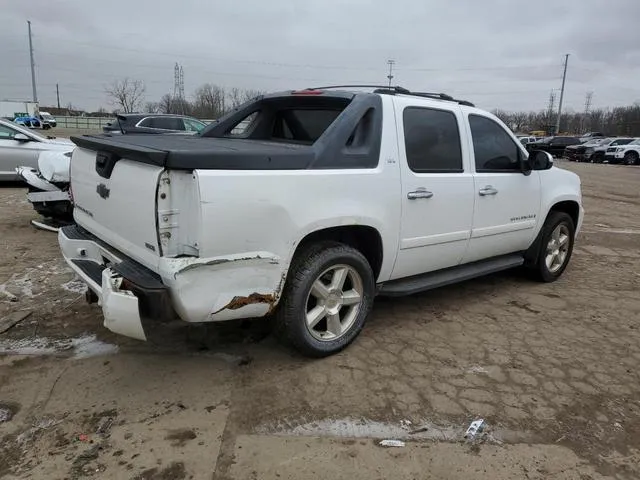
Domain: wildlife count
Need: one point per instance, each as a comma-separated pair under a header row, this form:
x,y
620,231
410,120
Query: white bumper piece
x,y
119,307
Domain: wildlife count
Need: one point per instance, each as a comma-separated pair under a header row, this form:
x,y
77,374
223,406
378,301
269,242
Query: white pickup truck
x,y
305,205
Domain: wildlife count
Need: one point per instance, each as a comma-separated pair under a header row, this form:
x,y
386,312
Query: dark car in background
x,y
154,124
554,145
576,153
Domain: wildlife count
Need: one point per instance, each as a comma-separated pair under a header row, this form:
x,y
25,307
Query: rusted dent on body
x,y
255,298
239,302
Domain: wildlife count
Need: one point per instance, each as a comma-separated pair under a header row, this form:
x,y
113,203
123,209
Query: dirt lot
x,y
553,369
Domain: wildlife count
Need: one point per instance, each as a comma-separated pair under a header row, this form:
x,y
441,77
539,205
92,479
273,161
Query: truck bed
x,y
179,152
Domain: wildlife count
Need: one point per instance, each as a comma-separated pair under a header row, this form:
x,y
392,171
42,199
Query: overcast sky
x,y
504,54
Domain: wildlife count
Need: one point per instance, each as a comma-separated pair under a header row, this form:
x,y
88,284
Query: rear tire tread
x,y
307,264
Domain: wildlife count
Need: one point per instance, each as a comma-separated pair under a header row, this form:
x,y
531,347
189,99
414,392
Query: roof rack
x,y
398,90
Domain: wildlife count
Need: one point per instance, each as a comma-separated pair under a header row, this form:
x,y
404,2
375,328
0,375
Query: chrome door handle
x,y
419,193
488,190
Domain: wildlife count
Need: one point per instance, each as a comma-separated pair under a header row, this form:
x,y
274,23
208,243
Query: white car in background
x,y
628,154
21,147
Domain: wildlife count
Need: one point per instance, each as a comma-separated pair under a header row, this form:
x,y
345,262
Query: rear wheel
x,y
326,300
556,245
598,157
631,158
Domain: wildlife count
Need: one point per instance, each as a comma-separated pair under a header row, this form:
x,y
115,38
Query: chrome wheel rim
x,y
557,248
333,303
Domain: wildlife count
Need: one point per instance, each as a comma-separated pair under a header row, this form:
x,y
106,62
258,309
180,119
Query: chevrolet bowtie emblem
x,y
103,191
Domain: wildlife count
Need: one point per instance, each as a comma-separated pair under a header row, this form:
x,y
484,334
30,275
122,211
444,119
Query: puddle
x,y
81,347
365,428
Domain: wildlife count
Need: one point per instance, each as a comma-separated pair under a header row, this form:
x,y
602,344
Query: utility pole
x,y
391,63
58,95
33,66
564,79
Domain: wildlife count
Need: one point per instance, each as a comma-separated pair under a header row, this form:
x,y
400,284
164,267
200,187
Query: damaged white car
x,y
49,187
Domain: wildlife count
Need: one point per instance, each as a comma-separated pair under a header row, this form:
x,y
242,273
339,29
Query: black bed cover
x,y
180,152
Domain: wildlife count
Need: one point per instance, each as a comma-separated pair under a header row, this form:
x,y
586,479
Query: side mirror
x,y
21,137
540,160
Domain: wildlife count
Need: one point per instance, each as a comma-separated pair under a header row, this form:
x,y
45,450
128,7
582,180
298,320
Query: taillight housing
x,y
70,190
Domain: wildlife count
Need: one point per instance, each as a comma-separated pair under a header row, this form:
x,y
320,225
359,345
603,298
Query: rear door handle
x,y
419,193
488,190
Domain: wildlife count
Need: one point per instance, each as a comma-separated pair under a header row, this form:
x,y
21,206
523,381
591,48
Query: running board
x,y
440,278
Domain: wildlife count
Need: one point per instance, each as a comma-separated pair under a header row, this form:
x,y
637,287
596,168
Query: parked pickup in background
x,y
322,200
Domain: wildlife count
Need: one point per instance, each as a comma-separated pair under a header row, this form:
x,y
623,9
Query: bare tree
x,y
165,105
152,107
238,96
126,94
209,101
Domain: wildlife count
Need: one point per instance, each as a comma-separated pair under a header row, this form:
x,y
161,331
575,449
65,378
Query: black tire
x,y
307,267
631,158
539,267
598,157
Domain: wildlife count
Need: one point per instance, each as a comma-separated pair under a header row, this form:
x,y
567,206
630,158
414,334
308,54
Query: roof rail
x,y
393,90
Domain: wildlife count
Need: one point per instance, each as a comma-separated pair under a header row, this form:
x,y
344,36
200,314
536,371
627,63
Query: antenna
x,y
391,63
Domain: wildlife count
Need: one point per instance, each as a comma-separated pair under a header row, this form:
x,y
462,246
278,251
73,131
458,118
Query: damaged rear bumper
x,y
133,299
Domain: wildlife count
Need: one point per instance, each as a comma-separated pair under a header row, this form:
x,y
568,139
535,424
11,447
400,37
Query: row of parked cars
x,y
591,148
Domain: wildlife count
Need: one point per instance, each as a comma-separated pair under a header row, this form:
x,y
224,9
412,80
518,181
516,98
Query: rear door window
x,y
432,140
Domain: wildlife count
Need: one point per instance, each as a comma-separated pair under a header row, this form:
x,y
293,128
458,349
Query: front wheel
x,y
631,158
326,300
556,246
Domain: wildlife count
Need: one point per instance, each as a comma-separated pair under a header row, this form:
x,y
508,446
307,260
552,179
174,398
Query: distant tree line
x,y
208,101
623,121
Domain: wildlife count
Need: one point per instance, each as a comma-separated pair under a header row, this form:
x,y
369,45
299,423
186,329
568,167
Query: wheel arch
x,y
363,238
571,208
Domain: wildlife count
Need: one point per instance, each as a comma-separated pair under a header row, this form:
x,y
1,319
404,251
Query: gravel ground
x,y
552,368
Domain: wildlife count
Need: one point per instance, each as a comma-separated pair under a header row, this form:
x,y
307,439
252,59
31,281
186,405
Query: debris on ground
x,y
419,430
392,443
475,427
49,224
5,414
12,319
406,424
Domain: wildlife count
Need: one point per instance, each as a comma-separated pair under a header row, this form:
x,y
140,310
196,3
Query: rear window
x,y
295,119
303,126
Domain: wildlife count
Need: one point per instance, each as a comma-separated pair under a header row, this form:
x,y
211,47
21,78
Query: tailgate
x,y
120,209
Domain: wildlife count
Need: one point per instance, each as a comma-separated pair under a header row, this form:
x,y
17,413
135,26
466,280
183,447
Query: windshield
x,y
46,115
635,142
26,131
